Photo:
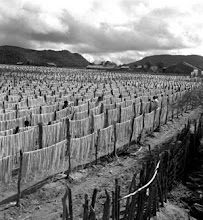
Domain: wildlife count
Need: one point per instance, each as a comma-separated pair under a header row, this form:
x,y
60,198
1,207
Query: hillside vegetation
x,y
64,58
169,60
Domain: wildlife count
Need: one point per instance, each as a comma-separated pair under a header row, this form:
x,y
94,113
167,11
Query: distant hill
x,y
169,60
64,58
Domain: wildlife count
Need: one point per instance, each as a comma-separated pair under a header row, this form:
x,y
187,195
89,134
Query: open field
x,y
62,120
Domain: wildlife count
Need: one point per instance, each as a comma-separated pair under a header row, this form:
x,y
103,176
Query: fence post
x,y
113,206
117,203
167,107
54,115
160,112
128,205
106,124
16,108
131,128
68,137
40,135
94,197
4,110
86,210
65,209
70,204
96,147
19,179
92,215
107,206
115,138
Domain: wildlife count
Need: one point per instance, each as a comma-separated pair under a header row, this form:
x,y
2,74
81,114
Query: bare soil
x,y
46,202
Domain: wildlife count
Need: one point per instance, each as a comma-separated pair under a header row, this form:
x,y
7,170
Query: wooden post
x,y
19,178
86,209
27,102
159,186
4,110
68,137
166,174
115,138
94,197
113,206
16,109
54,115
149,146
92,215
161,109
65,209
70,204
172,107
96,147
92,124
131,189
117,203
40,135
106,124
119,110
102,108
167,106
107,205
132,126
88,108
141,107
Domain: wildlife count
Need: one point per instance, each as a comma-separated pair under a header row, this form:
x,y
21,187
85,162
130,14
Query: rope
x,y
146,185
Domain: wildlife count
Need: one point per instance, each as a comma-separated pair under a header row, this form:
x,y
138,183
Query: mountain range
x,y
169,60
64,58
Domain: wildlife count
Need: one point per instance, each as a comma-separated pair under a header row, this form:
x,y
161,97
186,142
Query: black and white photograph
x,y
101,110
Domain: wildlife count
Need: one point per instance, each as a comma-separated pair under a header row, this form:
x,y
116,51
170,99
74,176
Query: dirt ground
x,y
170,211
46,202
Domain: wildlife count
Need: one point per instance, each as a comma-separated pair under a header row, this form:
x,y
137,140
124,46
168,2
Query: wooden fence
x,y
149,190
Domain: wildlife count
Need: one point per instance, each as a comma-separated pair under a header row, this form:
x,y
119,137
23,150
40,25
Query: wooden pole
x,y
85,208
40,135
70,204
115,138
19,178
113,206
107,206
94,197
92,215
65,209
68,137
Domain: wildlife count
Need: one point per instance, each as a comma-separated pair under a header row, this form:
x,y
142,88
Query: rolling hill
x,y
169,60
64,58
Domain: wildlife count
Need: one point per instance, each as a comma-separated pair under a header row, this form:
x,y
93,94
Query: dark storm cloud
x,y
16,29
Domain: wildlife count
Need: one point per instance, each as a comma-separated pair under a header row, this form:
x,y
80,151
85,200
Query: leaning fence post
x,y
94,197
19,179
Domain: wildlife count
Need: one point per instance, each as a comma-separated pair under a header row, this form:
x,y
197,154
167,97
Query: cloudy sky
x,y
118,30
